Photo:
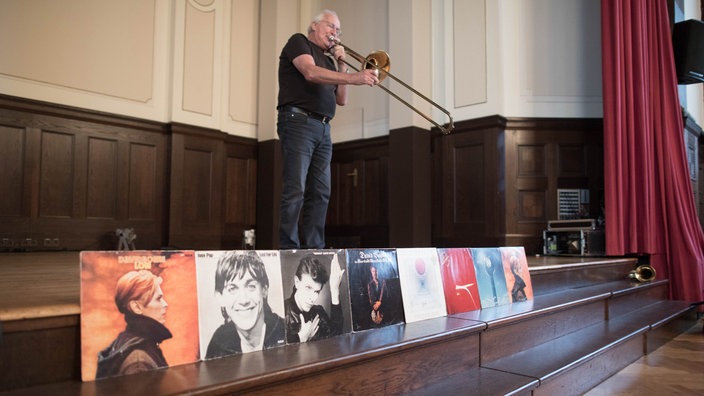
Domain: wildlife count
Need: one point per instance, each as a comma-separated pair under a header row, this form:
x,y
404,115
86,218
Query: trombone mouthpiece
x,y
333,39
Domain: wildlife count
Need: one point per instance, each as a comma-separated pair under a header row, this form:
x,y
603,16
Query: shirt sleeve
x,y
297,45
336,319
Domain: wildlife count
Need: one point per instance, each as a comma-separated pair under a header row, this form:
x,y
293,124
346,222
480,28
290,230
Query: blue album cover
x,y
489,268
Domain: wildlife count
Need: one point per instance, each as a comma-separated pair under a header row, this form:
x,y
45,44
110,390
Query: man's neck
x,y
253,339
323,46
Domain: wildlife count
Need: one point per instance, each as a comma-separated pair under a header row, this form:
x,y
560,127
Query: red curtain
x,y
649,205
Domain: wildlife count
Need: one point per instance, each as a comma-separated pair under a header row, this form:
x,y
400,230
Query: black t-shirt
x,y
294,90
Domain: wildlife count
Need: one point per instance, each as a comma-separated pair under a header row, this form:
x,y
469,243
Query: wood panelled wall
x,y
497,179
358,214
70,178
213,188
494,182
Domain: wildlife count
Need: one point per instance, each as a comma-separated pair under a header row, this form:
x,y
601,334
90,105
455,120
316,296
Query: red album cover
x,y
459,280
316,292
421,284
139,311
516,272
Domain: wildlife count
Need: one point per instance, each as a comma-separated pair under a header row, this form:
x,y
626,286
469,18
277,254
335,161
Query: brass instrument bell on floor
x,y
643,273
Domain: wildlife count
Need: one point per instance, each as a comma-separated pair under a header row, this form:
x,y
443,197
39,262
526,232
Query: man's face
x,y
243,299
156,307
328,26
307,292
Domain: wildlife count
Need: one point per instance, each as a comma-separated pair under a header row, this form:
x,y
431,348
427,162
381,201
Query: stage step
x,y
551,274
564,341
575,362
572,340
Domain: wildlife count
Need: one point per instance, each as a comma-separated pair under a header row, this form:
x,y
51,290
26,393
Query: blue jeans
x,y
306,150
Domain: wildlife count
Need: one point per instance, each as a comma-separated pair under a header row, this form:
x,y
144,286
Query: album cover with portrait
x,y
375,288
489,267
139,311
240,300
516,272
459,280
316,292
421,283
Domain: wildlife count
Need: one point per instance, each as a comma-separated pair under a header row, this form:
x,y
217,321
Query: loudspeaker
x,y
688,46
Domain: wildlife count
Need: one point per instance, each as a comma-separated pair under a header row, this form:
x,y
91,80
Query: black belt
x,y
294,109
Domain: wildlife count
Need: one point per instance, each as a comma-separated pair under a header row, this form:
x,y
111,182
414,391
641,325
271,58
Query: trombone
x,y
642,273
380,61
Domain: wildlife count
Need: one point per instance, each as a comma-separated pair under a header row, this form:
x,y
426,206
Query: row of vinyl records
x,y
142,310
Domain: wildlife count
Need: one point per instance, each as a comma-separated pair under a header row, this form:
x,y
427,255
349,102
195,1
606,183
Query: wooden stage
x,y
47,284
38,285
586,322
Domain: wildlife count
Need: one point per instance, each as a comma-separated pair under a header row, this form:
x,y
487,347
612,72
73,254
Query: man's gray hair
x,y
320,17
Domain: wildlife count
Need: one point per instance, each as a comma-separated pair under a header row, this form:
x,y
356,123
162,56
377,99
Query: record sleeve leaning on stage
x,y
242,287
139,297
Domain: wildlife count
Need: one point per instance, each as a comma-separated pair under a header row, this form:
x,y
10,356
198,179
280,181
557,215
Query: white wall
x,y
365,28
101,55
213,63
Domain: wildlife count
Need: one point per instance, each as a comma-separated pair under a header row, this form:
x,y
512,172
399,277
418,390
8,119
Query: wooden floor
x,y
676,368
39,284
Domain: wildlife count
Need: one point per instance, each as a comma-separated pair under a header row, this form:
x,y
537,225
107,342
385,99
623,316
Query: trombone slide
x,y
380,61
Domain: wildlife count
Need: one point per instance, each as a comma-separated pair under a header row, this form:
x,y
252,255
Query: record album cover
x,y
139,311
240,299
316,292
459,280
421,283
489,267
517,275
375,289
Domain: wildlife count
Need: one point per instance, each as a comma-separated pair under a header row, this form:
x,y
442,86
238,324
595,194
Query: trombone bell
x,y
643,273
380,61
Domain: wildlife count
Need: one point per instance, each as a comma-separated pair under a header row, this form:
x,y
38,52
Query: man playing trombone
x,y
313,80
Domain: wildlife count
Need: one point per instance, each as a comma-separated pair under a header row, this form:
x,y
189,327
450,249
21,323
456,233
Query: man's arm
x,y
293,323
336,319
336,274
338,52
320,75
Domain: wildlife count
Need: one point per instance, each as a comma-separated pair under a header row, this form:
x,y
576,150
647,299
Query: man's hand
x,y
308,329
366,77
336,274
338,52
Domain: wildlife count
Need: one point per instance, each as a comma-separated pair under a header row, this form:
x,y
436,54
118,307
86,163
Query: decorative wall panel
x,y
12,148
56,175
101,184
143,189
78,176
358,210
